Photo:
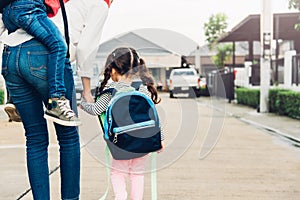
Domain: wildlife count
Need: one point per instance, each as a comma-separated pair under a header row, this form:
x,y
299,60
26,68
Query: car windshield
x,y
184,73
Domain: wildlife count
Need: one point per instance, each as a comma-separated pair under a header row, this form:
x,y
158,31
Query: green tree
x,y
213,29
296,5
224,53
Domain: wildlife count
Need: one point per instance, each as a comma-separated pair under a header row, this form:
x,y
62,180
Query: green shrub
x,y
1,97
249,97
281,101
273,98
288,103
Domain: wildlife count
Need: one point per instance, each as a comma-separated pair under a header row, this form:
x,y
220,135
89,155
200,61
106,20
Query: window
x,y
184,73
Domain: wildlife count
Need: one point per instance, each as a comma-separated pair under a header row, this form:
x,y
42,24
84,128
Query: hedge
x,y
273,98
249,97
281,101
288,103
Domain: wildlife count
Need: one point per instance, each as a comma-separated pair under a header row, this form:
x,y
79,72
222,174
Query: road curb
x,y
294,140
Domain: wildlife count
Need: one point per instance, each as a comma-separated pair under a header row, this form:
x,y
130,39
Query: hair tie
x,y
138,58
131,58
138,55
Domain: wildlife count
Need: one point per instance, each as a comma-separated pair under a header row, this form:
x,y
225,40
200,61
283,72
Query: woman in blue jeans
x,y
24,68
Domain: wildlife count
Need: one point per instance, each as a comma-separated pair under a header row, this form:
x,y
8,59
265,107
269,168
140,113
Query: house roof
x,y
249,28
168,39
154,54
241,48
131,39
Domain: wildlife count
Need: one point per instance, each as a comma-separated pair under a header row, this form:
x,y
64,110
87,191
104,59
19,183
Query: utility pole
x,y
197,60
266,36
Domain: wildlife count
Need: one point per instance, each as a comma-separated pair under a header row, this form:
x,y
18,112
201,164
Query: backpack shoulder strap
x,y
102,116
111,91
136,84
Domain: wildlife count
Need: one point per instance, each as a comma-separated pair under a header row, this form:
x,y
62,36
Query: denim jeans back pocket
x,y
38,64
5,57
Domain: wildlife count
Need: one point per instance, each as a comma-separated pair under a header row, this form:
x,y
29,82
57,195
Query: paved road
x,y
214,150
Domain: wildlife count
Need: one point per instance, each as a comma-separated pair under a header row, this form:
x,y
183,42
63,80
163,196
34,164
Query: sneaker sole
x,y
62,122
12,114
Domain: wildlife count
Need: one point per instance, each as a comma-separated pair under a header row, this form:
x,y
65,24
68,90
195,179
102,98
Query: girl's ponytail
x,y
148,80
106,73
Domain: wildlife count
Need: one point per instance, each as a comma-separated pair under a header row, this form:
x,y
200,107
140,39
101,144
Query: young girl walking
x,y
123,66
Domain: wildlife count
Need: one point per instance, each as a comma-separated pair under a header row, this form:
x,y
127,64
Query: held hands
x,y
88,96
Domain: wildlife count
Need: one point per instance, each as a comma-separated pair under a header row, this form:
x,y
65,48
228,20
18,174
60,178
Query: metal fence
x,y
220,84
296,69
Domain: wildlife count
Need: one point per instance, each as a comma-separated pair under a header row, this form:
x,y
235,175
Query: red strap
x,y
53,6
108,2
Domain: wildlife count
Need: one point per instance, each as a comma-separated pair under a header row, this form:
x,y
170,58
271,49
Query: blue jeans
x,y
31,16
25,73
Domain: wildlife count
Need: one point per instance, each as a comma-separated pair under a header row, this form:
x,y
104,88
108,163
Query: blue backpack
x,y
130,124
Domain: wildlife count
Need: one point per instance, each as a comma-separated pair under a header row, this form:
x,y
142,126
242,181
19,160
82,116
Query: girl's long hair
x,y
126,60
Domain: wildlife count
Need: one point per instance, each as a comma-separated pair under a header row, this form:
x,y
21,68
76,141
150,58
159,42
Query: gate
x,y
220,83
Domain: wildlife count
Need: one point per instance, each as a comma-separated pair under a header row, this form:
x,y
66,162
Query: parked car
x,y
184,80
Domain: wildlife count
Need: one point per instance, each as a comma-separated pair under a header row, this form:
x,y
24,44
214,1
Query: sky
x,y
185,17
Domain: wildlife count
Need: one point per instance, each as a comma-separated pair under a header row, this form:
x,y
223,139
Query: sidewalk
x,y
246,163
286,127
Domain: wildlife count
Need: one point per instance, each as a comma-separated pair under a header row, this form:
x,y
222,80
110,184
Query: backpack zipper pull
x,y
109,122
115,138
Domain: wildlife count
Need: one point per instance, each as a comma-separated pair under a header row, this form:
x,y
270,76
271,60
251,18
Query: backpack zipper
x,y
132,127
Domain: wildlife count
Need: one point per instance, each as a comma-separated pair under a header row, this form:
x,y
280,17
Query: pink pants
x,y
133,168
